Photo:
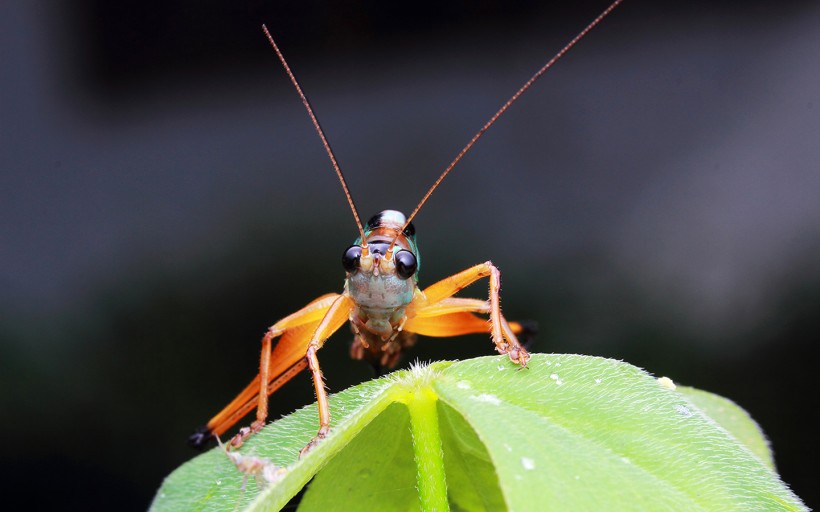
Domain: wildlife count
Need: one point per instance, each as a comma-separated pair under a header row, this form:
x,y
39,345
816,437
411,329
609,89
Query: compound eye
x,y
405,264
351,257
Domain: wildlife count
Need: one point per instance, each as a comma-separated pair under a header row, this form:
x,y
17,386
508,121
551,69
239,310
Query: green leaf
x,y
567,433
733,418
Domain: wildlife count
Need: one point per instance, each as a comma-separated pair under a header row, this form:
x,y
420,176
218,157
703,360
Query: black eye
x,y
350,259
405,264
410,230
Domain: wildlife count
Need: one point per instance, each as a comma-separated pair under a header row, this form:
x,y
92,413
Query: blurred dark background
x,y
164,199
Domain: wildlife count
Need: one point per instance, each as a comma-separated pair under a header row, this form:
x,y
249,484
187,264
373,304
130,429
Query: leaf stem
x,y
427,447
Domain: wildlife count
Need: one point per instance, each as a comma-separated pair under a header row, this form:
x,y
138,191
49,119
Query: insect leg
x,y
285,361
437,300
337,315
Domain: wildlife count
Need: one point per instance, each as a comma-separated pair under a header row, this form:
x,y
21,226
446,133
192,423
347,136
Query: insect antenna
x,y
506,105
321,133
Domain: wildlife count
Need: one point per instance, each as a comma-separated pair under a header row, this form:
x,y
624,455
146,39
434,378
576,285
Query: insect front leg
x,y
437,302
337,315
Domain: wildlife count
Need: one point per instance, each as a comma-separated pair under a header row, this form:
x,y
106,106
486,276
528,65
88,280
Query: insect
x,y
381,299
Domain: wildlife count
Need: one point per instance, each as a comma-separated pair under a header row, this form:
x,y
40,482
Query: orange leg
x,y
435,312
337,315
333,317
276,367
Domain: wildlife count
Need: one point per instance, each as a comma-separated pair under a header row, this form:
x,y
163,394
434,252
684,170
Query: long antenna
x,y
321,133
512,100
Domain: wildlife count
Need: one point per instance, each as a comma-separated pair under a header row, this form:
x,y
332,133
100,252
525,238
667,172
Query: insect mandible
x,y
381,299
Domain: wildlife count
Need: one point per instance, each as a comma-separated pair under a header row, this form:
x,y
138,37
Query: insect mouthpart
x,y
383,262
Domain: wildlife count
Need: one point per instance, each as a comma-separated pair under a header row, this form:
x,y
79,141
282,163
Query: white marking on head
x,y
392,219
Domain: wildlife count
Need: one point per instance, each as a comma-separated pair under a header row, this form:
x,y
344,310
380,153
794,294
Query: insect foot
x,y
246,432
313,442
517,354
